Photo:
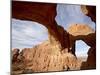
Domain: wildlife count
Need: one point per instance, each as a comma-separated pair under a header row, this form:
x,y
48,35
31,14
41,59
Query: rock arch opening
x,y
81,50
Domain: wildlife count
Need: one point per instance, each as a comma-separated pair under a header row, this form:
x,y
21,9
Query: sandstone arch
x,y
81,32
45,14
23,11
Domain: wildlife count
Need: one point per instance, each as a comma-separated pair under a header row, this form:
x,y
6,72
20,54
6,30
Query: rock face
x,y
44,58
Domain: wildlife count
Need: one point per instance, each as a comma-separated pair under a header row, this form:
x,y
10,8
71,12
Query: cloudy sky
x,y
26,34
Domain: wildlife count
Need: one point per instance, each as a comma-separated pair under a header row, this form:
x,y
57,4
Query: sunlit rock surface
x,y
80,29
45,57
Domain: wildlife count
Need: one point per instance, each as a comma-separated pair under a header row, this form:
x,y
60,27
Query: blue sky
x,y
81,48
26,34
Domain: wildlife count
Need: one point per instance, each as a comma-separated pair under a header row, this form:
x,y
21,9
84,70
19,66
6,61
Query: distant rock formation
x,y
79,29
